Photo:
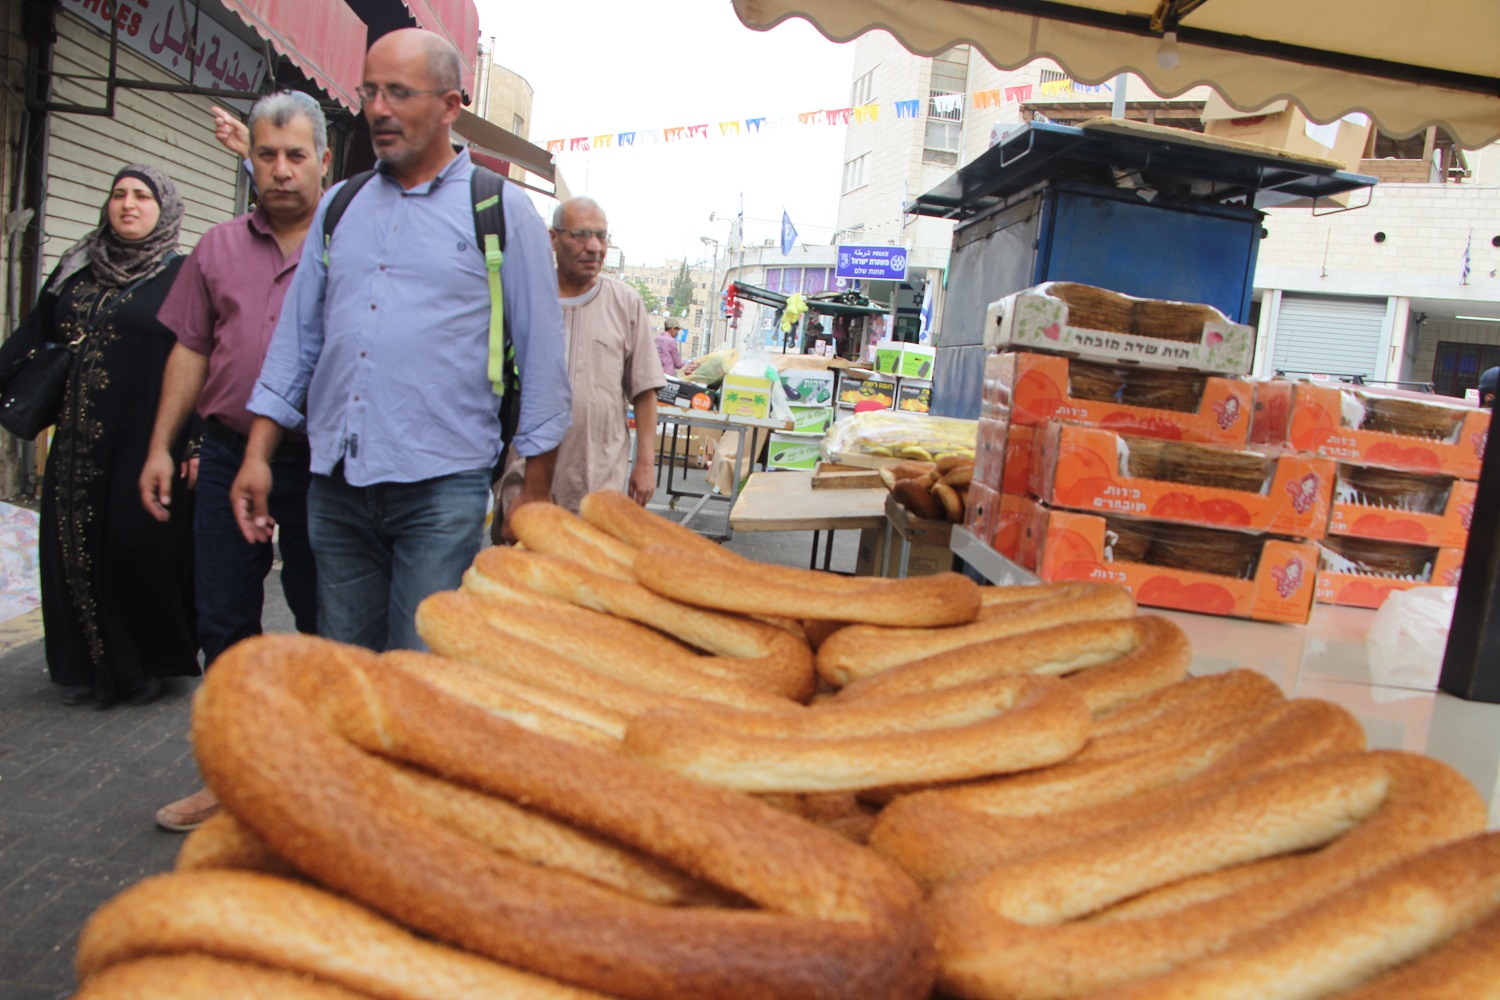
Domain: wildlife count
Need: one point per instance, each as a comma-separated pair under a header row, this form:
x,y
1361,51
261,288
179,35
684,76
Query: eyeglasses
x,y
582,235
395,94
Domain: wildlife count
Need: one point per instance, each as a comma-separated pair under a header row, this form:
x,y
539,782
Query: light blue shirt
x,y
385,348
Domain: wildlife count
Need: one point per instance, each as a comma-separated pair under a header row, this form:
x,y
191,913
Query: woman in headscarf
x,y
117,585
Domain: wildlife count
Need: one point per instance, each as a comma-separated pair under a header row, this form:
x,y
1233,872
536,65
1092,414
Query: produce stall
x,y
1331,60
842,315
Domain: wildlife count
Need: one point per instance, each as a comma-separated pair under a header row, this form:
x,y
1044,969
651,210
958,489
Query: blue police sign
x,y
879,263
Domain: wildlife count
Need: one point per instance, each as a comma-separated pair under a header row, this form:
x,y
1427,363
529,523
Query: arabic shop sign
x,y
159,30
879,263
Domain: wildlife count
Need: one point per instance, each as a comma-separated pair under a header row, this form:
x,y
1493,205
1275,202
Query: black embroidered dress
x,y
117,585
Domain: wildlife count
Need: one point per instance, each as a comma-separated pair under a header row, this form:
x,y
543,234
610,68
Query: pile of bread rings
x,y
637,765
935,491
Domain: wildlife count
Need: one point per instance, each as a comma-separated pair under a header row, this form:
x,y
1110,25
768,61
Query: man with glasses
x,y
383,344
612,362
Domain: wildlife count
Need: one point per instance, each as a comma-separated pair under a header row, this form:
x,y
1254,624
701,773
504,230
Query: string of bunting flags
x,y
940,105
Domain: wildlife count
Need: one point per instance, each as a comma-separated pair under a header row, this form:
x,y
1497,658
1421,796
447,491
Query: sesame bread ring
x,y
616,514
456,625
1006,724
192,977
1178,712
563,716
917,498
622,631
222,841
749,587
645,668
285,726
952,503
939,834
548,528
755,652
1427,928
1022,929
291,927
1108,662
867,649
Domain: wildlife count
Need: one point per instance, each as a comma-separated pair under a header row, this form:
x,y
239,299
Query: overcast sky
x,y
601,66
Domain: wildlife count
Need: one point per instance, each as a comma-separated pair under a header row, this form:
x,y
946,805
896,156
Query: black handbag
x,y
32,386
33,396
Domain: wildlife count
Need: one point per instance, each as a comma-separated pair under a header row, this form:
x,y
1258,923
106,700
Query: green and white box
x,y
794,451
905,360
808,387
811,419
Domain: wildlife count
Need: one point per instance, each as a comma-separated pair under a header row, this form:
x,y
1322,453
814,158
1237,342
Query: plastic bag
x,y
1409,635
710,369
893,435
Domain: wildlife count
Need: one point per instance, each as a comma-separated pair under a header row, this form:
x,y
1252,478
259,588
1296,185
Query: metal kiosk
x,y
1141,209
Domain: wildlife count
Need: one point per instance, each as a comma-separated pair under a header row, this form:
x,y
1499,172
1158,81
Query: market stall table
x,y
671,421
785,500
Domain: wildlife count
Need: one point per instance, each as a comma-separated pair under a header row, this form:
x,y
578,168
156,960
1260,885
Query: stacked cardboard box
x,y
863,389
1405,483
1113,447
809,393
911,365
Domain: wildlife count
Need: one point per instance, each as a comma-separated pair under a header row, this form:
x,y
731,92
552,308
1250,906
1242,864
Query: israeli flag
x,y
924,333
788,233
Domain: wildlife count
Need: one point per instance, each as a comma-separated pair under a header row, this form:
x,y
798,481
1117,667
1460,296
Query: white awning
x,y
1406,65
491,138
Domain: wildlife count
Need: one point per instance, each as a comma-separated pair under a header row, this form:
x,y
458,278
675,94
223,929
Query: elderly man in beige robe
x,y
612,361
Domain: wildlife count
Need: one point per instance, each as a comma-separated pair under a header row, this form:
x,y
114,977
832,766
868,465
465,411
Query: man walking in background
x,y
666,346
612,363
223,308
384,344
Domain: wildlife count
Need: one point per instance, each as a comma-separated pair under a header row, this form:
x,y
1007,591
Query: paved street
x,y
78,789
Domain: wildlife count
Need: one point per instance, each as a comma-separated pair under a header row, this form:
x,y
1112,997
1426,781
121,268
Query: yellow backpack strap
x,y
493,258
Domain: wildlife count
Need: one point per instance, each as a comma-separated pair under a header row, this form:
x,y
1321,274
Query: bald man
x,y
612,362
381,353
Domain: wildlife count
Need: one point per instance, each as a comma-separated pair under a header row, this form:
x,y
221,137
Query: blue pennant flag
x,y
788,233
924,334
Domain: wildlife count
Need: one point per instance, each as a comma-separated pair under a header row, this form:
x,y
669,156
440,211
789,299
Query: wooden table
x,y
677,418
784,500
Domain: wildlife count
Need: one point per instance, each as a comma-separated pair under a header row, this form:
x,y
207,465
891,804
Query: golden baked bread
x,y
1189,882
865,650
285,728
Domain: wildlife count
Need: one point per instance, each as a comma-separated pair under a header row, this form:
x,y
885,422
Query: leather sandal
x,y
187,814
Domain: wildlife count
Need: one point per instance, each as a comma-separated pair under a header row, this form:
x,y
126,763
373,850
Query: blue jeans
x,y
382,549
229,572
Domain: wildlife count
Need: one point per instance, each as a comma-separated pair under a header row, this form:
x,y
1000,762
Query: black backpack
x,y
489,237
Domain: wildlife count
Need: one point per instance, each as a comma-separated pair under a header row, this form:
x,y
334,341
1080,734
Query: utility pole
x,y
713,289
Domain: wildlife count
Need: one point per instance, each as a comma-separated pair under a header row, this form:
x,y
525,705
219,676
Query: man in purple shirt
x,y
223,308
382,355
666,346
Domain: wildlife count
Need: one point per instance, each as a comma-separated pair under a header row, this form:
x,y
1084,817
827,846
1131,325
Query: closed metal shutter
x,y
1329,335
171,131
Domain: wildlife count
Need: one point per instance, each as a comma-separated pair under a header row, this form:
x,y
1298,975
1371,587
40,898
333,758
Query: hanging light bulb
x,y
1167,56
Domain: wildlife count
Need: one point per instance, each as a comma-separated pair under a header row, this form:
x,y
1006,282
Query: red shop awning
x,y
458,21
326,41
